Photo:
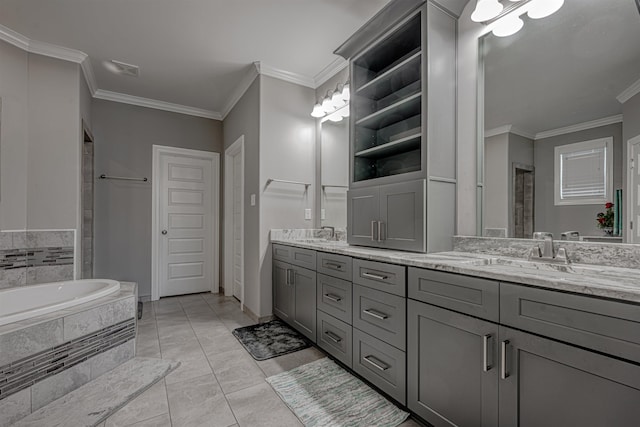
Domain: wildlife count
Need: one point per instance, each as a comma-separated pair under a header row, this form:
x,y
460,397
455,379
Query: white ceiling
x,y
565,69
193,52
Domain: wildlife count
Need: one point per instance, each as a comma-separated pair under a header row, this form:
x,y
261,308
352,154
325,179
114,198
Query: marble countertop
x,y
602,281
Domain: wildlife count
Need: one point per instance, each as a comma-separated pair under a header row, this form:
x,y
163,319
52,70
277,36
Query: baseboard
x,y
144,298
255,317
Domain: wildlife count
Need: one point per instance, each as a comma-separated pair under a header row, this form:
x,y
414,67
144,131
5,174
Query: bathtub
x,y
29,301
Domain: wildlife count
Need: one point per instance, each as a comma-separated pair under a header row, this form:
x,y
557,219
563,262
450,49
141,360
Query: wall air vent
x,y
124,69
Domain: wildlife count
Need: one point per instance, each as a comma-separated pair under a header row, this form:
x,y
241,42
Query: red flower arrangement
x,y
605,219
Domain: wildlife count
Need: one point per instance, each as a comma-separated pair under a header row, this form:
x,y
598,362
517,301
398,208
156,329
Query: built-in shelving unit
x,y
387,104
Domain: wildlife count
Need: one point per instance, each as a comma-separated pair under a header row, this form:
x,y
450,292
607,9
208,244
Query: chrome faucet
x,y
332,231
546,252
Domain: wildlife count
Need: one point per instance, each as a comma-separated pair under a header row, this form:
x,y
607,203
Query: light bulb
x,y
335,117
346,94
486,10
317,111
543,8
327,105
345,111
508,26
336,99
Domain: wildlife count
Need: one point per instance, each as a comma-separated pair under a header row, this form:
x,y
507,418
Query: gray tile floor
x,y
218,383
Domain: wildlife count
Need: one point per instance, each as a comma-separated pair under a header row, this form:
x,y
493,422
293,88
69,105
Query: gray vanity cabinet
x,y
388,216
452,367
548,383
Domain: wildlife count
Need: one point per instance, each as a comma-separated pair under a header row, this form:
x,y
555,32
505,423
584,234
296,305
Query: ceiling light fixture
x,y
335,105
486,10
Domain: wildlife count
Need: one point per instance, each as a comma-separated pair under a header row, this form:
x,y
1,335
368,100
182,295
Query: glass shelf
x,y
397,76
408,143
398,111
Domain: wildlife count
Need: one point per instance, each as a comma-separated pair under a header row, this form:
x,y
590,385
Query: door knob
x,y
164,231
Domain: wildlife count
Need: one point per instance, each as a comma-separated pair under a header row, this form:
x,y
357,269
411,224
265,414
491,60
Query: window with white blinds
x,y
583,172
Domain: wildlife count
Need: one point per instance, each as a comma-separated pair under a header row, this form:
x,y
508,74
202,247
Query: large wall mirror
x,y
334,139
561,109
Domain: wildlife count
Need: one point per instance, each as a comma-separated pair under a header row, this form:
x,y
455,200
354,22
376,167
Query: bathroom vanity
x,y
467,339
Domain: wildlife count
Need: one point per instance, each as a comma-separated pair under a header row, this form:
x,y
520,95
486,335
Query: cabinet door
x,y
304,301
452,367
548,383
282,291
362,216
402,215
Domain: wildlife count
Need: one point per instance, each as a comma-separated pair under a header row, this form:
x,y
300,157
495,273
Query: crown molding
x,y
287,76
240,89
330,70
629,92
155,104
55,51
14,38
580,126
89,77
508,129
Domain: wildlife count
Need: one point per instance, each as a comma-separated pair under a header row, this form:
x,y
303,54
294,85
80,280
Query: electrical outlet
x,y
307,214
253,200
323,214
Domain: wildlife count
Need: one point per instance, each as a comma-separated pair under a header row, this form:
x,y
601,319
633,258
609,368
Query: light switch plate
x,y
253,200
307,214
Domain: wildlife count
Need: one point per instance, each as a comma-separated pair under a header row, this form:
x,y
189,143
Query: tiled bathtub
x,y
46,357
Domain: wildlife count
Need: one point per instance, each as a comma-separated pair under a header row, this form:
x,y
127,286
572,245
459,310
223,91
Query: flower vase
x,y
608,231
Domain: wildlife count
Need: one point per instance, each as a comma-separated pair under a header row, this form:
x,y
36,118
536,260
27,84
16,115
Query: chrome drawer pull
x,y
375,313
504,374
373,227
333,337
333,297
377,363
374,276
485,353
333,265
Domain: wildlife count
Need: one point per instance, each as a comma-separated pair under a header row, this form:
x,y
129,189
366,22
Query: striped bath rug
x,y
321,393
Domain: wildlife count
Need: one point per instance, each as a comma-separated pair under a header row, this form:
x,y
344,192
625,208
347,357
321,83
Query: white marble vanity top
x,y
602,281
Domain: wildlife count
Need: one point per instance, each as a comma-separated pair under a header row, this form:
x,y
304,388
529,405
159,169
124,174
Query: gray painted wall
x,y
582,218
287,151
124,136
244,119
14,137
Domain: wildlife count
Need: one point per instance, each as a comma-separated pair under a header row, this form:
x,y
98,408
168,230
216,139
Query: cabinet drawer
x,y
380,314
305,258
469,295
384,365
335,337
334,265
334,297
378,275
607,326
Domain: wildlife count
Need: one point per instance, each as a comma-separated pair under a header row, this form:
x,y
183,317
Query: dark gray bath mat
x,y
272,339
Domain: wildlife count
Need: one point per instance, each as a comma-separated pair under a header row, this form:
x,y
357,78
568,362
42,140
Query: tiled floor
x,y
218,383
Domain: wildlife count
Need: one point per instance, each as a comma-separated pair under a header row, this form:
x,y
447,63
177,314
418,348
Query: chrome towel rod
x,y
334,186
270,180
123,178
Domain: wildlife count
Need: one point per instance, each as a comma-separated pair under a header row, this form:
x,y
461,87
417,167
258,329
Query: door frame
x,y
159,150
630,191
236,148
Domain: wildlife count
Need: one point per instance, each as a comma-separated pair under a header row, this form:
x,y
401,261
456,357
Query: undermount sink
x,y
530,265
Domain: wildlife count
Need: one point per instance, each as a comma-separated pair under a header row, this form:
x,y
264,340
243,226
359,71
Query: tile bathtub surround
x,y
30,257
594,253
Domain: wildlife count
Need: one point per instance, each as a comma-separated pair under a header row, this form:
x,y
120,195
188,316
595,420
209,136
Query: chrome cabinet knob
x,y
164,231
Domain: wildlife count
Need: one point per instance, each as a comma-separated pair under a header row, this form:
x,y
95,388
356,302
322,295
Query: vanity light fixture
x,y
543,8
508,26
507,21
333,104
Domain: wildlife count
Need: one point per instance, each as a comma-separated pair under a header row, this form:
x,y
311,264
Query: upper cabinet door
x,y
548,383
402,215
362,216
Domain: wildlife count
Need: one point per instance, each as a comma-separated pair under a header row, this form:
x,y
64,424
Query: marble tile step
x,y
94,402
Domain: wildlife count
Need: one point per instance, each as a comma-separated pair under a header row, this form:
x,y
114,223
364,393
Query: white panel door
x,y
186,225
634,190
237,227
